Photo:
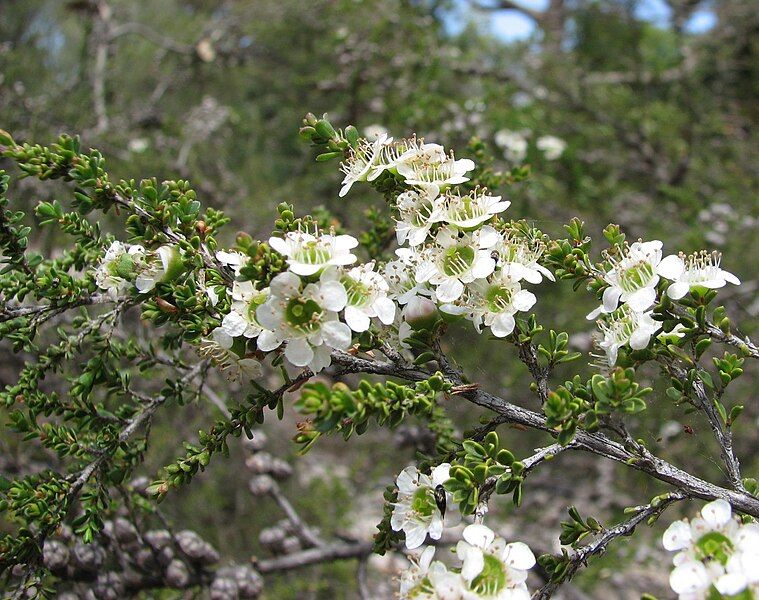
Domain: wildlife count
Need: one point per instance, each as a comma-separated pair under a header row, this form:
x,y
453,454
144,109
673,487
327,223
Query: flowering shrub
x,y
314,299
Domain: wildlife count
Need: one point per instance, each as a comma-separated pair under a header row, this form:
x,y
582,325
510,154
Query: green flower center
x,y
636,277
458,260
358,292
303,315
422,214
492,579
312,253
714,546
122,267
254,303
498,298
423,502
423,589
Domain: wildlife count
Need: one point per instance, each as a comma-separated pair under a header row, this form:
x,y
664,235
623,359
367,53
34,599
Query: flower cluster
x,y
460,256
717,555
630,294
490,569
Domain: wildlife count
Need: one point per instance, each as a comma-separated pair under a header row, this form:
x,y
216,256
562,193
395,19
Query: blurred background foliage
x,y
658,117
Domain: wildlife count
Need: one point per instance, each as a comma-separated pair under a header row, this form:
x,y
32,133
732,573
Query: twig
x,y
597,547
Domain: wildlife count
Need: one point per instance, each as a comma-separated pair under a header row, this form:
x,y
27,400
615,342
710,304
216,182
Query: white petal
x,y
677,536
268,315
639,339
717,513
502,325
385,309
611,298
730,278
473,563
356,319
519,556
677,290
441,474
345,242
524,300
478,535
250,367
268,340
285,285
234,324
689,577
298,352
594,313
483,266
334,296
450,290
279,245
304,269
406,481
222,338
671,267
731,584
488,237
415,535
642,299
337,335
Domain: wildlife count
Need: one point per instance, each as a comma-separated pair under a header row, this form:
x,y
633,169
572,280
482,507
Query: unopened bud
x,y
261,485
177,574
55,555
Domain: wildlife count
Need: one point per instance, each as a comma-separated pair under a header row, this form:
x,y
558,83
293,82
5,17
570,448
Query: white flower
x,y
699,269
417,511
714,551
415,581
241,319
493,303
400,275
233,259
626,327
514,144
234,367
633,277
309,254
457,259
359,166
367,296
551,146
373,132
418,211
118,267
690,580
493,568
304,318
429,167
518,257
471,210
167,266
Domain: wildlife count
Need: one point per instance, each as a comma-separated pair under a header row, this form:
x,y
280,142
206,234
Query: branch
x,y
595,443
580,557
314,556
535,15
152,36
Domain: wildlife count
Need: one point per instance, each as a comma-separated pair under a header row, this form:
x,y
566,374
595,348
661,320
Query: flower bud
x,y
55,555
260,485
280,469
224,588
272,538
108,586
177,574
88,557
291,545
421,313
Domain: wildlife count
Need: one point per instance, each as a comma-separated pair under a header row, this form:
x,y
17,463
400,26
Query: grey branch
x,y
595,443
600,544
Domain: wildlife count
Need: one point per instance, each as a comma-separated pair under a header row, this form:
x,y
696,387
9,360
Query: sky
x,y
510,25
